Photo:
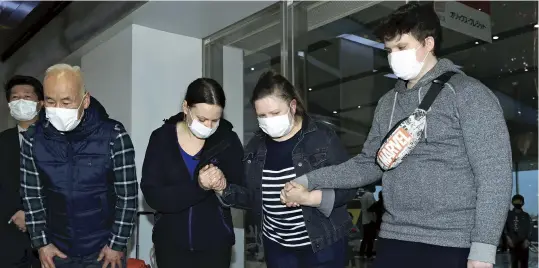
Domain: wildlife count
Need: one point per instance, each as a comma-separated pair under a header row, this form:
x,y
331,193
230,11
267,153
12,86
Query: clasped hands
x,y
295,195
211,177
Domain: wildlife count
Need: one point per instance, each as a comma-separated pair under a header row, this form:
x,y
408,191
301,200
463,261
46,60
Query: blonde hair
x,y
60,69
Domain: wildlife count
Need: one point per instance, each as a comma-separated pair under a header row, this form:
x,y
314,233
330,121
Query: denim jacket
x,y
318,146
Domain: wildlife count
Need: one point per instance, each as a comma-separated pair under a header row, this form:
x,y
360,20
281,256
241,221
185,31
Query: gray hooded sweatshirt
x,y
454,188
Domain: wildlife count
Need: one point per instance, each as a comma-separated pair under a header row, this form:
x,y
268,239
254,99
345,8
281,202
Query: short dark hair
x,y
18,80
418,20
272,83
205,90
518,197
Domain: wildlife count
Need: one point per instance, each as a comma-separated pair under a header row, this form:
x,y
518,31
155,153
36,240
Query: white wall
x,y
233,87
107,75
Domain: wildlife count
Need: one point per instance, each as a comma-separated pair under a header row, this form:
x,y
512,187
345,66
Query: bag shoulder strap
x,y
437,85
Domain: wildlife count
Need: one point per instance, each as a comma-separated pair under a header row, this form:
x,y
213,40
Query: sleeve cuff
x,y
39,241
483,253
303,181
116,246
327,203
221,200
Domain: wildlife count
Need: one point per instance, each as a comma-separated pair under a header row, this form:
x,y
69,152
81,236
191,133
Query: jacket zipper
x,y
223,220
190,228
70,198
191,208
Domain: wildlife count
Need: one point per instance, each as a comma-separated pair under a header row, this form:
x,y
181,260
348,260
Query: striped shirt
x,y
283,225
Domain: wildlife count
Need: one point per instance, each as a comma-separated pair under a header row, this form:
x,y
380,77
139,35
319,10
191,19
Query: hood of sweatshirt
x,y
412,97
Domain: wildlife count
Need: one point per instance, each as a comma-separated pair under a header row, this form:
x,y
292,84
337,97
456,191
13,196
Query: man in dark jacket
x,y
25,97
82,164
518,230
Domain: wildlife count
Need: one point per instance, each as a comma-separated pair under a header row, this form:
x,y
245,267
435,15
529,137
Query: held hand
x,y
478,264
294,194
47,254
212,178
18,219
111,257
203,178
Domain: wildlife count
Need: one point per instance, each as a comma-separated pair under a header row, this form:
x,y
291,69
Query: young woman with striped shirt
x,y
288,144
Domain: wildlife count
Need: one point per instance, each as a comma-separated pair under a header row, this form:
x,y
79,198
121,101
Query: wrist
x,y
314,198
220,190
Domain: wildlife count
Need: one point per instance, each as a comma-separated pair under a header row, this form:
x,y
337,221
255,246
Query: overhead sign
x,y
464,19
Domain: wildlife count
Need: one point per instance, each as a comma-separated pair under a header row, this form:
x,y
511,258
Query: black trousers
x,y
278,256
395,253
367,244
168,257
519,255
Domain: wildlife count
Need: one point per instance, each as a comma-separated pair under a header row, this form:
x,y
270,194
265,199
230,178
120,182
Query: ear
x,y
185,107
39,105
293,106
86,101
429,44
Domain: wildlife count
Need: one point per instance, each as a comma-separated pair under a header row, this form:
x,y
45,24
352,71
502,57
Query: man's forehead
x,y
61,82
22,89
399,39
61,91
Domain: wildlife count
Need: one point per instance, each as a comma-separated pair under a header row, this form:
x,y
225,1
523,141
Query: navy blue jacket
x,y
188,216
76,170
318,146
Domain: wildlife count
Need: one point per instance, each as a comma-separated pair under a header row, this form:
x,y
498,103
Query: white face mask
x,y
276,126
200,130
23,110
64,119
404,63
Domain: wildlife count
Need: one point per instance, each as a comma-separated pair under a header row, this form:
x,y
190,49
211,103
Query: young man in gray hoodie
x,y
447,202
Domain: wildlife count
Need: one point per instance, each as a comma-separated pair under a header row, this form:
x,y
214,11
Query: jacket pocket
x,y
319,158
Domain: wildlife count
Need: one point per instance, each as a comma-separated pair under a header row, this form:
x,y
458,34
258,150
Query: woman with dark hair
x,y
289,143
192,228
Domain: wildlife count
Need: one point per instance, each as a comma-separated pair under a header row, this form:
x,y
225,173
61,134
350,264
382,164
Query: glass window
x,y
258,38
328,50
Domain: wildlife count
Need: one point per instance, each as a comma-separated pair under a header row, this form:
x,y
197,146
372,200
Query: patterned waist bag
x,y
405,135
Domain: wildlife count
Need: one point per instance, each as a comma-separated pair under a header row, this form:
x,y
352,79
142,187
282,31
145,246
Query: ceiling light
x,y
476,42
359,106
536,26
362,40
310,89
334,112
252,68
495,37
